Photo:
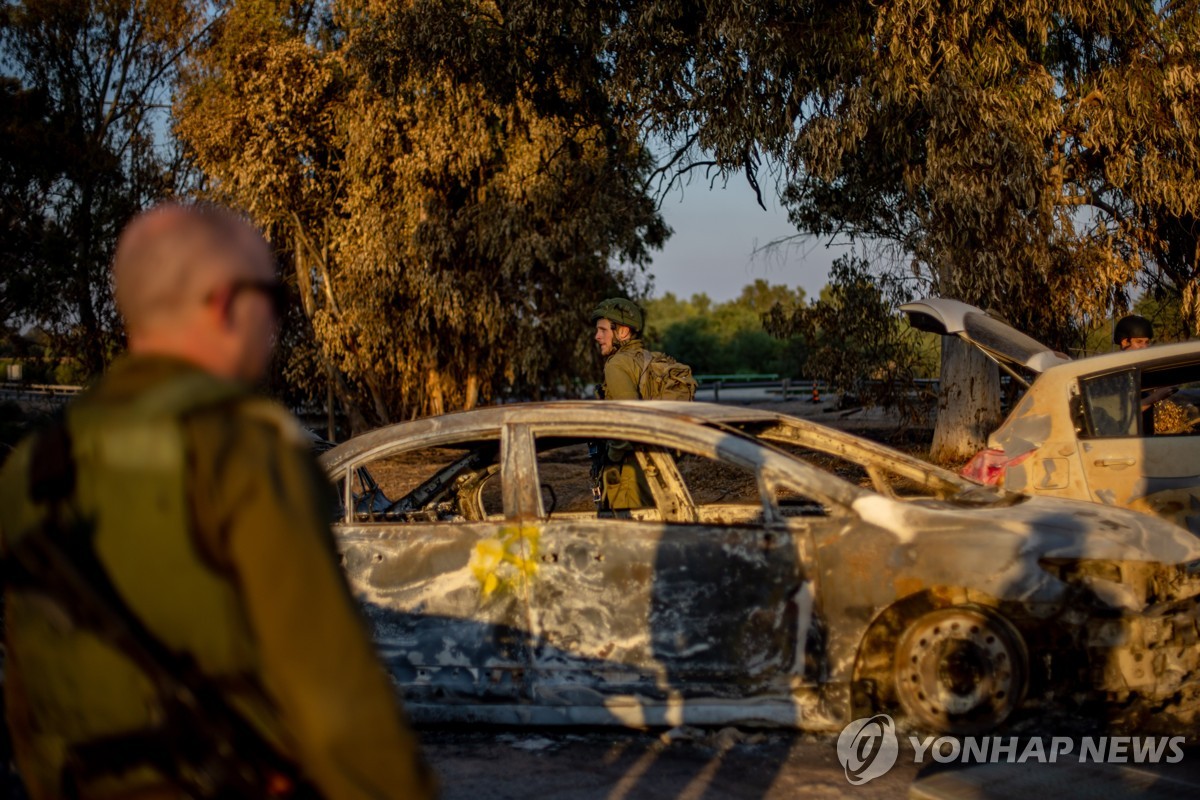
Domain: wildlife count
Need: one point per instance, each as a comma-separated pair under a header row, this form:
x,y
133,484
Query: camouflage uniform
x,y
624,484
210,516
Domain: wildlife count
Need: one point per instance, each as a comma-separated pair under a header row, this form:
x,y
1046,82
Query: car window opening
x,y
450,483
1152,402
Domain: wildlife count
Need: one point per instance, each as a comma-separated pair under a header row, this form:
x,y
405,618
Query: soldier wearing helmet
x,y
1133,332
619,323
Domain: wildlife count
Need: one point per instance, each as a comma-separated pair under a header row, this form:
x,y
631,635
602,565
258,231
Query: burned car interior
x,y
461,481
447,483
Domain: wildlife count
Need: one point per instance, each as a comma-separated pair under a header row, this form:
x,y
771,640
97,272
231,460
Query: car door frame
x,y
564,539
423,641
1155,464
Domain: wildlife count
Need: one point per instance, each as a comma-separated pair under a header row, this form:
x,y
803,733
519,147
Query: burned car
x,y
1093,428
785,574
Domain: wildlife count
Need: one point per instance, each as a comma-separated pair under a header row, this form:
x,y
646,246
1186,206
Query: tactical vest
x,y
130,491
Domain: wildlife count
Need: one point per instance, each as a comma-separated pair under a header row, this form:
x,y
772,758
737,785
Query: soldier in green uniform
x,y
210,518
619,325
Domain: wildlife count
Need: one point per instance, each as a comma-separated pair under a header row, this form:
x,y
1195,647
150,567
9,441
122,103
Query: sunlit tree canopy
x,y
448,231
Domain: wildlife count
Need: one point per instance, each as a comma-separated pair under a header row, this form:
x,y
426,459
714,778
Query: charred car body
x,y
762,585
1087,429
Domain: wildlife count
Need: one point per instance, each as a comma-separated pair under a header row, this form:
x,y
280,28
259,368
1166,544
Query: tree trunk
x,y
968,404
93,348
330,410
381,409
472,389
434,393
358,420
354,412
472,397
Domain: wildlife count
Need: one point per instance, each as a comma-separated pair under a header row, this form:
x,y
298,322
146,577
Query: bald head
x,y
197,282
172,256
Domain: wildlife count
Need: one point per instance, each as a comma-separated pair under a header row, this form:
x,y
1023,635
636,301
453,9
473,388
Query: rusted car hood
x,y
994,337
1017,556
1045,527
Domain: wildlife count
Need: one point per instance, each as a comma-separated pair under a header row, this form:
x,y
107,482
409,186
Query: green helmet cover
x,y
620,311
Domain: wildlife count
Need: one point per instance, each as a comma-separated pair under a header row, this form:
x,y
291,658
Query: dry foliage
x,y
856,343
82,90
1030,157
447,229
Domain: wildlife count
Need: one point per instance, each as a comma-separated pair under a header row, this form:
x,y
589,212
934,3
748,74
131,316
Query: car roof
x,y
1122,359
647,413
493,417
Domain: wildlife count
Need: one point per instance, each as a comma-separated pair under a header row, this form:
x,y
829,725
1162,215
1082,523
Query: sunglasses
x,y
274,291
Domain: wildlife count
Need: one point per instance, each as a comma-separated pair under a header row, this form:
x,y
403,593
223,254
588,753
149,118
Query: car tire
x,y
960,670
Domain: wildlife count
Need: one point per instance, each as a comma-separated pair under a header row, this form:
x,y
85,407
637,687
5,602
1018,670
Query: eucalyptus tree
x,y
446,229
1038,159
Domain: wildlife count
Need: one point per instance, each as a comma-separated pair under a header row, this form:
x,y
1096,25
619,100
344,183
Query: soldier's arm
x,y
316,660
620,379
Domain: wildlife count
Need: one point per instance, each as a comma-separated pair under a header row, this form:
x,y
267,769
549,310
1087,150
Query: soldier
x,y
199,504
618,336
1133,332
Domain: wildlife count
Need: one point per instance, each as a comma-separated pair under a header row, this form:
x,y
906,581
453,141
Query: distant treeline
x,y
728,337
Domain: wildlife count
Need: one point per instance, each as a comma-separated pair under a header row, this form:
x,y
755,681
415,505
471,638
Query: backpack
x,y
664,378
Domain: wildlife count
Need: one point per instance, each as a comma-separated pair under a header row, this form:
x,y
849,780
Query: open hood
x,y
997,339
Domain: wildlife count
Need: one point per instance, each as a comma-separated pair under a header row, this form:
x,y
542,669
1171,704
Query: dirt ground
x,y
747,764
616,765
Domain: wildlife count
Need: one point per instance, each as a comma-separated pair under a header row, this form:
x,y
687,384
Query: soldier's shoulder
x,y
628,358
254,416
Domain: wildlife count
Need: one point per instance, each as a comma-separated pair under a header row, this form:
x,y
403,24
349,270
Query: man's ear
x,y
624,333
219,304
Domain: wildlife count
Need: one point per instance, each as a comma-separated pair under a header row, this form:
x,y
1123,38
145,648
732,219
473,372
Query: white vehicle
x,y
1091,428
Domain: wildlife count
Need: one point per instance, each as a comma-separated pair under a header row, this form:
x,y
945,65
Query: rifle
x,y
596,453
204,745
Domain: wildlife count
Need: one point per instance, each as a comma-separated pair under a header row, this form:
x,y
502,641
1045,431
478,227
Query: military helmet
x,y
1132,327
620,311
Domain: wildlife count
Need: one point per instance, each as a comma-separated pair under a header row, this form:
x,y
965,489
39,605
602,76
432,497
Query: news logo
x,y
867,748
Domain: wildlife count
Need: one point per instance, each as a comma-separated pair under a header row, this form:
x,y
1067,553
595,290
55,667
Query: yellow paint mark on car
x,y
502,562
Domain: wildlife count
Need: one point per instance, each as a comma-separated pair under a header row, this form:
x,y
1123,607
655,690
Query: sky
x,y
718,233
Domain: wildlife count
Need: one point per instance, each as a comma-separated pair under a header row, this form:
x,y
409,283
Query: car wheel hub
x,y
959,670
